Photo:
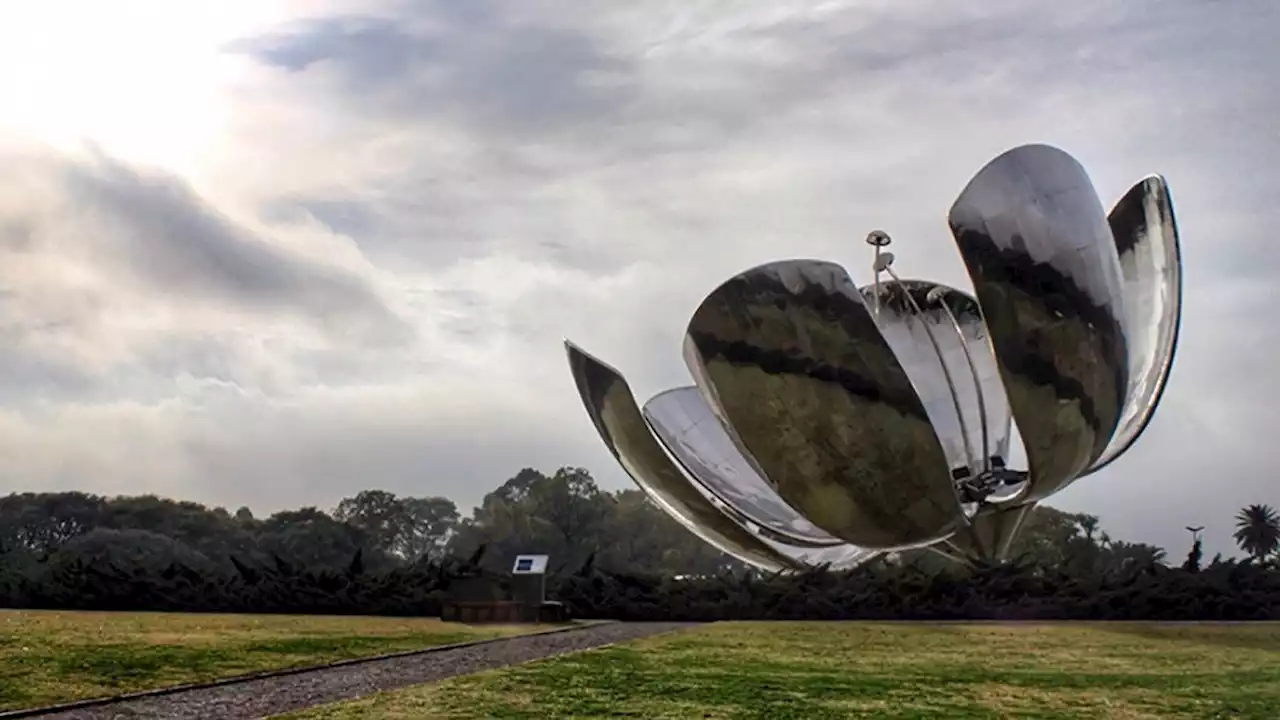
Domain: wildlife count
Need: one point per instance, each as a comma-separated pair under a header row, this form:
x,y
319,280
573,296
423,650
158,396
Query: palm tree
x,y
1258,530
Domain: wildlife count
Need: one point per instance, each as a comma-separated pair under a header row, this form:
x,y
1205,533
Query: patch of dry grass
x,y
880,670
50,657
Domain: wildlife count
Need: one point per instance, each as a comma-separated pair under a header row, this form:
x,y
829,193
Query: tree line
x,y
612,554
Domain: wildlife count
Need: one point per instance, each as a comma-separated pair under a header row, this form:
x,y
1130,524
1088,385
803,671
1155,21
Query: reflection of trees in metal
x,y
825,418
621,425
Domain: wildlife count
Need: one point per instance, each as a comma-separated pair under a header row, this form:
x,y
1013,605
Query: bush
x,y
1221,591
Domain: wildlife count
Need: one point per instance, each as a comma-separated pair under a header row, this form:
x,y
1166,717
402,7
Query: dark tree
x,y
1192,563
1258,531
614,554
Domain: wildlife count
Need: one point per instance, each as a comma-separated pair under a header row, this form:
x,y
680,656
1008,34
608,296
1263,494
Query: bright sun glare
x,y
145,80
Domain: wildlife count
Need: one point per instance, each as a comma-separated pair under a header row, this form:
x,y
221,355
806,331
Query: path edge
x,y
282,672
552,656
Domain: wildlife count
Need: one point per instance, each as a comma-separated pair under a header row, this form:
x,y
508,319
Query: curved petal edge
x,y
790,359
693,435
1043,262
1146,236
616,416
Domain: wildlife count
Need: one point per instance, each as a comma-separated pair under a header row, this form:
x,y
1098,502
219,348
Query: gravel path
x,y
272,696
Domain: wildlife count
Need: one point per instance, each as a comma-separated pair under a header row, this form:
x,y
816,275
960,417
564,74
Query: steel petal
x,y
1146,236
617,418
790,359
1043,262
837,557
691,432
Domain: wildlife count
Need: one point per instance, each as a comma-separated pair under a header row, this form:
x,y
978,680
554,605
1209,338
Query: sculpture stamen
x,y
946,371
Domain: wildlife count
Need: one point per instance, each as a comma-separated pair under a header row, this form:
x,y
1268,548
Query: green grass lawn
x,y
877,670
51,657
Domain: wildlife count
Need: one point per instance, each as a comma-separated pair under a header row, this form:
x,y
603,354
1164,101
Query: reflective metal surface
x,y
687,428
791,360
1042,259
617,418
829,423
917,316
1146,236
837,557
991,534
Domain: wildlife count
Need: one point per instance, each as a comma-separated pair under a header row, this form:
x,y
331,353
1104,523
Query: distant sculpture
x,y
829,423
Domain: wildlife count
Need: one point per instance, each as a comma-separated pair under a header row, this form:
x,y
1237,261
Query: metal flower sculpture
x,y
829,423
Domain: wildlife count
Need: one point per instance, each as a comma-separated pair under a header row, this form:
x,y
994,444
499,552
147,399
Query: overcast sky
x,y
273,253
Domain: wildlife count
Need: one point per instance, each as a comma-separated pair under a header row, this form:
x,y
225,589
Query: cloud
x,y
470,62
366,280
162,234
106,268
